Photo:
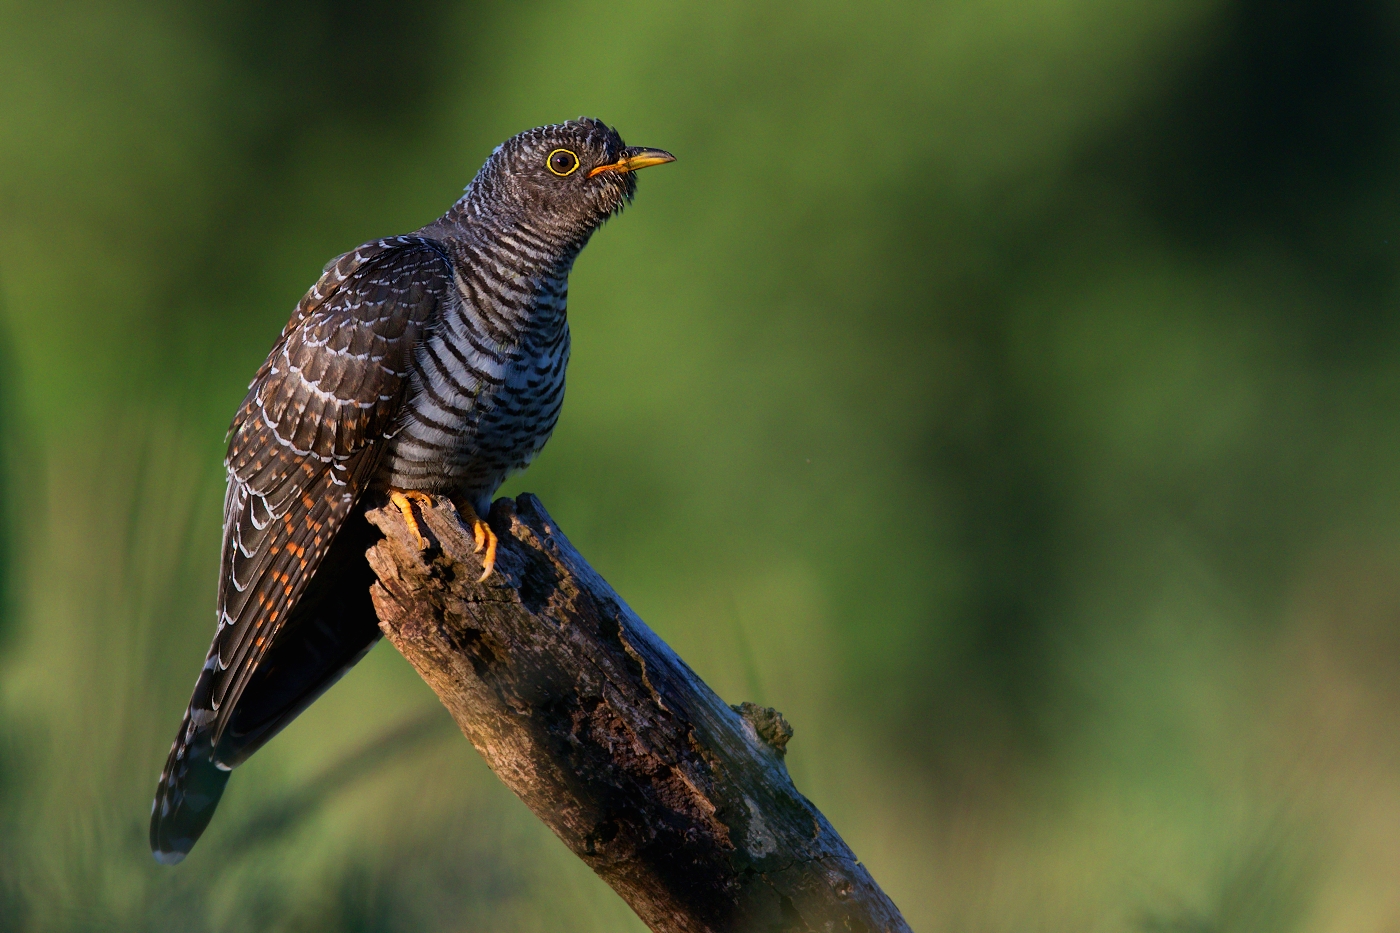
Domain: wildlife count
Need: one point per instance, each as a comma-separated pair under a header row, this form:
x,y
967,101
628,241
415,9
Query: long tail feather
x,y
329,629
190,786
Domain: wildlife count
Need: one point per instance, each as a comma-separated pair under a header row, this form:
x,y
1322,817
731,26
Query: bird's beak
x,y
633,159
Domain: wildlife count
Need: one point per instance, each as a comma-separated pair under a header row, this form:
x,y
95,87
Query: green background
x,y
1008,391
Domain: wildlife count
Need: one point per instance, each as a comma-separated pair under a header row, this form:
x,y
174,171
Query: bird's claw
x,y
403,500
485,540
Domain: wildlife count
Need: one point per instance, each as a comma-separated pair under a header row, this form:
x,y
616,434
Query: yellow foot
x,y
403,500
485,539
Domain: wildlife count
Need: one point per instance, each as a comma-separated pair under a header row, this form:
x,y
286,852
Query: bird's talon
x,y
488,563
403,500
483,537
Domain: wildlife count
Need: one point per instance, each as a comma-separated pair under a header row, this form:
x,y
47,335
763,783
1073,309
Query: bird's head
x,y
567,177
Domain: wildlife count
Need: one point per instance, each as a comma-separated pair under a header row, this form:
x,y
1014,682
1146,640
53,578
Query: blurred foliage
x,y
1007,392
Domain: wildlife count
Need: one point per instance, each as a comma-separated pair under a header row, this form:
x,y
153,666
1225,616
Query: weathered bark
x,y
680,803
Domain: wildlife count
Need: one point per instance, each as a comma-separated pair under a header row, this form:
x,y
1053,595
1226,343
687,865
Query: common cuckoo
x,y
419,365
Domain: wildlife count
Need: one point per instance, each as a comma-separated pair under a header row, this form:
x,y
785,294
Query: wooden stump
x,y
679,802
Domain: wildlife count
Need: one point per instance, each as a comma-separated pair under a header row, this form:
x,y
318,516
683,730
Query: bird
x,y
428,364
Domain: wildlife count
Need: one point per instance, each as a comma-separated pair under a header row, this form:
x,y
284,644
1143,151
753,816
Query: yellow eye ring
x,y
562,162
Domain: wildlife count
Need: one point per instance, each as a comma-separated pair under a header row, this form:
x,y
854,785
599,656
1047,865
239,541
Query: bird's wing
x,y
307,439
301,451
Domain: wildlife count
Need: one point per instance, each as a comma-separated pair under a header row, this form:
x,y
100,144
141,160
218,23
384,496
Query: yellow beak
x,y
633,159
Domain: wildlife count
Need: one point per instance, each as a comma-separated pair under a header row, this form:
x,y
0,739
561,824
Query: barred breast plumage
x,y
426,363
488,380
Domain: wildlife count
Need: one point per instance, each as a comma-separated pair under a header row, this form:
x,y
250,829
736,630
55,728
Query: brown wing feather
x,y
306,440
301,451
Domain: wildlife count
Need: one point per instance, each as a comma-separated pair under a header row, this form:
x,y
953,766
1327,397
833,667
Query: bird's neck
x,y
512,275
533,245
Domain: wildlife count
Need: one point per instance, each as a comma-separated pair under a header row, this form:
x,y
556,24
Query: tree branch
x,y
680,803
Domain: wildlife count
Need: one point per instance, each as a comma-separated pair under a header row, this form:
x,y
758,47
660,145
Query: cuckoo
x,y
418,365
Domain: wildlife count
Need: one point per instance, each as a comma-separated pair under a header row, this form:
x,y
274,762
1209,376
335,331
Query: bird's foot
x,y
485,539
403,500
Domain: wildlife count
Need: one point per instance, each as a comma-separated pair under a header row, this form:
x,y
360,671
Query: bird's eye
x,y
562,162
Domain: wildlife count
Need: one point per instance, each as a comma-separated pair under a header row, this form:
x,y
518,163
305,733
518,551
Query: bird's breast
x,y
485,394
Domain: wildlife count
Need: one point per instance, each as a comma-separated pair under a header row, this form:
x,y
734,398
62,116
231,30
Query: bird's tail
x,y
191,784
